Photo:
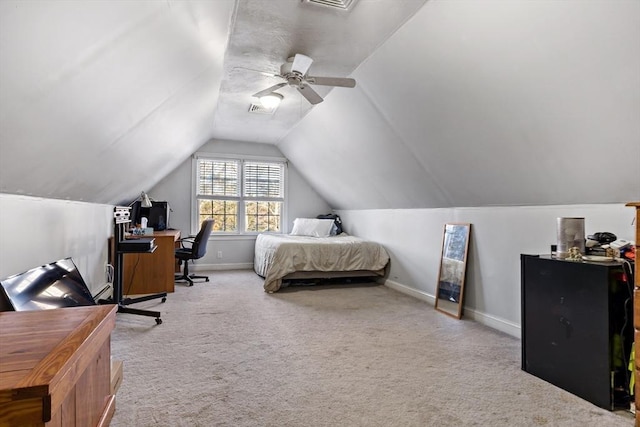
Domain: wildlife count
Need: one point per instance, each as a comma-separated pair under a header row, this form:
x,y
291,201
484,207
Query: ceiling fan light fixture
x,y
271,100
301,64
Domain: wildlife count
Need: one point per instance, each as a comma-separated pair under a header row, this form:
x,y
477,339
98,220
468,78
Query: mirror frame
x,y
459,251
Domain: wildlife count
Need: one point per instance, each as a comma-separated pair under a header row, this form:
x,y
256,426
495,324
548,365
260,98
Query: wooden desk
x,y
145,273
55,367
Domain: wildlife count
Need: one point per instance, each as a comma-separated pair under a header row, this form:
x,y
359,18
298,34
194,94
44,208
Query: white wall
x,y
237,252
413,238
126,90
36,231
485,103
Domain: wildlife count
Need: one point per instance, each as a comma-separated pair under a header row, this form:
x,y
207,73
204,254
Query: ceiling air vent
x,y
260,109
336,4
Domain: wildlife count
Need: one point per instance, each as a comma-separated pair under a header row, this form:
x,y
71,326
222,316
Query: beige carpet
x,y
229,354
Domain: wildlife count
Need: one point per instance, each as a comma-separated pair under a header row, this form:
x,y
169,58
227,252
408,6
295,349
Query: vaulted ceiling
x,y
457,103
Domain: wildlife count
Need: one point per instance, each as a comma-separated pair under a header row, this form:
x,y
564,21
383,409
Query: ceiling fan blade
x,y
268,90
301,64
310,94
332,81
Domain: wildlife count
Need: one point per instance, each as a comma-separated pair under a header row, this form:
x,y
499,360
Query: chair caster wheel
x,y
164,300
159,321
207,279
190,284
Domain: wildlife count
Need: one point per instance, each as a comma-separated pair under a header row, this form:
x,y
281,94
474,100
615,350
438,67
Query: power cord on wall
x,y
133,274
109,273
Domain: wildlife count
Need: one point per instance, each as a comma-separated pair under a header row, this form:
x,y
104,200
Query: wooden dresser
x,y
636,313
55,367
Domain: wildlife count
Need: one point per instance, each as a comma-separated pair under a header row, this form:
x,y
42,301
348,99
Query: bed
x,y
281,257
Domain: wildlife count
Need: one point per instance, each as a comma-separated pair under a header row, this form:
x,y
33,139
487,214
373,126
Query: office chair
x,y
196,250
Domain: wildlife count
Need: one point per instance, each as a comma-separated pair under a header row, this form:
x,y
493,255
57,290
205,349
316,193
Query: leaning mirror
x,y
453,265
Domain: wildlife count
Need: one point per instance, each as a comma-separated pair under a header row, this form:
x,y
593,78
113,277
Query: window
x,y
243,196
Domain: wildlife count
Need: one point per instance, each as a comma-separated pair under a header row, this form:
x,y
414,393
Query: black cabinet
x,y
577,323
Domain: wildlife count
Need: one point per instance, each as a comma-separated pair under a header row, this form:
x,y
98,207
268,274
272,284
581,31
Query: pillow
x,y
312,227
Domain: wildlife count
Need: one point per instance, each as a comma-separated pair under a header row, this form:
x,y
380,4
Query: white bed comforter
x,y
277,255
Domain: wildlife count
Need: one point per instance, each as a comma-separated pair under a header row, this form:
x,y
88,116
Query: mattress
x,y
279,255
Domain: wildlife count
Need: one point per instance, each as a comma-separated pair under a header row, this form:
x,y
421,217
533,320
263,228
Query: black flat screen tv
x,y
55,285
157,215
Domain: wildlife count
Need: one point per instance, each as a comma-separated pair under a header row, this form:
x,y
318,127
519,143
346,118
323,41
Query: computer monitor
x,y
157,215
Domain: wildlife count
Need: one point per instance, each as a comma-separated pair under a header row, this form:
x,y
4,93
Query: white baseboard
x,y
494,322
103,291
416,293
211,267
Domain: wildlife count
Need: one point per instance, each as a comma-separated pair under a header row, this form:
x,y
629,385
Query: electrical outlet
x,y
219,254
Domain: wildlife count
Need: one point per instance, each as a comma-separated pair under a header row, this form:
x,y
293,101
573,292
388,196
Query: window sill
x,y
235,236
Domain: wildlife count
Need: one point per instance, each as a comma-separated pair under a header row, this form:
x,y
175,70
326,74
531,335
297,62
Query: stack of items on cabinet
x,y
605,244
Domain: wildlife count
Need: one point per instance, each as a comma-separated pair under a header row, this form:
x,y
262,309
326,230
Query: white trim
x,y
416,293
194,197
226,156
241,199
211,267
493,322
284,214
233,237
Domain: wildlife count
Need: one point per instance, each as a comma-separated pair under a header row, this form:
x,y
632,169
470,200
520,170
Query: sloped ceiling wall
x,y
101,99
485,103
469,103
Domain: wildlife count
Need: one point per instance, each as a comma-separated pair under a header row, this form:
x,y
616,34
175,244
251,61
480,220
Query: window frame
x,y
241,199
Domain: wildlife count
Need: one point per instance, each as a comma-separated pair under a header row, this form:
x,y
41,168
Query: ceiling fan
x,y
294,71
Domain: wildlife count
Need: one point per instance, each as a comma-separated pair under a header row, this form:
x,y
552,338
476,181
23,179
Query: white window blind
x,y
263,180
218,178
